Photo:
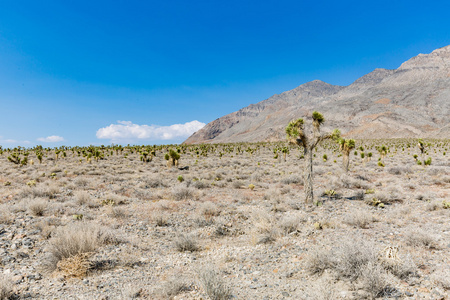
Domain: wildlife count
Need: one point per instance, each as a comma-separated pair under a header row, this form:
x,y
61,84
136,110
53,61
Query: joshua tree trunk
x,y
308,175
345,161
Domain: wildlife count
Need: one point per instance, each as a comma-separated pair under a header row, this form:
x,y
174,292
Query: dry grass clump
x,y
153,182
175,286
359,218
187,242
82,197
420,238
199,184
352,256
403,267
292,179
442,278
265,228
5,217
182,192
375,280
349,182
237,184
50,191
160,218
72,245
209,209
6,289
117,212
318,260
322,290
81,182
38,206
214,285
358,261
347,260
77,265
289,224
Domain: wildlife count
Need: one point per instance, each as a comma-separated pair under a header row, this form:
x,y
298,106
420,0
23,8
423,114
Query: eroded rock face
x,y
411,101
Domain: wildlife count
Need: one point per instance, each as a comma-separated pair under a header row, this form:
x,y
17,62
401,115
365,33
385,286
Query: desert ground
x,y
104,223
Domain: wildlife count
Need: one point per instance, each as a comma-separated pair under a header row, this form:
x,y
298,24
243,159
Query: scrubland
x,y
120,224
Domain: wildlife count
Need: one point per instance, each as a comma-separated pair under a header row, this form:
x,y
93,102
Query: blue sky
x,y
151,72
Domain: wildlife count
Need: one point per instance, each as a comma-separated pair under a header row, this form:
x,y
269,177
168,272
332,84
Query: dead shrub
x,y
420,238
214,285
75,266
322,290
5,217
402,268
37,207
182,192
6,289
237,184
374,279
359,219
175,286
209,209
117,212
82,197
352,256
289,224
74,239
186,242
292,179
442,278
318,260
199,184
160,219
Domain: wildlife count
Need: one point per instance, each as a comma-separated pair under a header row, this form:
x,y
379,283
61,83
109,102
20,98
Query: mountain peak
x,y
411,101
439,59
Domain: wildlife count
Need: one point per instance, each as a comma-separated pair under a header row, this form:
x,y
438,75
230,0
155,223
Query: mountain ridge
x,y
410,101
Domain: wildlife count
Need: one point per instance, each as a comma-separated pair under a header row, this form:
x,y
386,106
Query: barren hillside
x,y
411,101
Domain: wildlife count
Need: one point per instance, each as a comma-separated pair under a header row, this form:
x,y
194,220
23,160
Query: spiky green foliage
x,y
294,130
172,158
318,117
346,145
421,145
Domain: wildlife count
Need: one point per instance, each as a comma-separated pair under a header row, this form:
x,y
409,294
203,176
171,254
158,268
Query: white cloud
x,y
51,139
126,130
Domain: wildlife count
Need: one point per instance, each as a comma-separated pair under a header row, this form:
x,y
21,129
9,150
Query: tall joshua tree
x,y
296,134
346,146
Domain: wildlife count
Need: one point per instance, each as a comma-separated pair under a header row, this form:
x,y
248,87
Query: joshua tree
x,y
172,158
39,156
296,134
145,157
383,150
285,152
14,158
346,146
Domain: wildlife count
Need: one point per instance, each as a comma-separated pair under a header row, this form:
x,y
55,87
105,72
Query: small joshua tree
x,y
296,134
172,158
145,157
39,156
285,152
346,146
383,150
14,158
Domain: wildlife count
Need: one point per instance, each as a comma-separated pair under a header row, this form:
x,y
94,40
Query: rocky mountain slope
x,y
411,101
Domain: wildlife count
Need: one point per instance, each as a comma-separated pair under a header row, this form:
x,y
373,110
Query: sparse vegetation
x,y
377,232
